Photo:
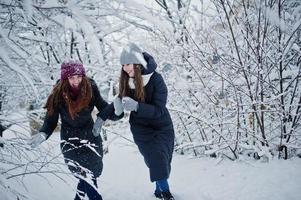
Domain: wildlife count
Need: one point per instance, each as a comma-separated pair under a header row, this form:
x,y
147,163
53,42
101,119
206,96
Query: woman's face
x,y
129,69
75,80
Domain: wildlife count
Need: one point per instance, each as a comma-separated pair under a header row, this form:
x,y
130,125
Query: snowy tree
x,y
246,97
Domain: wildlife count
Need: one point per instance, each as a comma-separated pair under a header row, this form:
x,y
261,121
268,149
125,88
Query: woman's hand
x,y
97,126
37,139
118,106
129,104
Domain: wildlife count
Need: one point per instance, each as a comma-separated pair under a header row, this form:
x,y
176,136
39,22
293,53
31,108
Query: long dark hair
x,y
61,93
124,88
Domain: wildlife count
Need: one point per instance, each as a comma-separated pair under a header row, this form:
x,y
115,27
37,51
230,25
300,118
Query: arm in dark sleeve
x,y
50,123
157,108
106,111
109,113
99,102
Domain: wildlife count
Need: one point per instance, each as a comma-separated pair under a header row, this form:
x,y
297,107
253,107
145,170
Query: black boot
x,y
158,194
167,195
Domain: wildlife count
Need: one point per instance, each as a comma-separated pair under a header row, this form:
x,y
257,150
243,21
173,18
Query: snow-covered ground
x,y
126,177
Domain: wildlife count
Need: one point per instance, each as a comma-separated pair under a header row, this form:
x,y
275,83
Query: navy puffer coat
x,y
151,125
81,149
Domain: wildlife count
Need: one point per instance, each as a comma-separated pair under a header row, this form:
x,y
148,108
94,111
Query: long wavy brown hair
x,y
61,93
124,88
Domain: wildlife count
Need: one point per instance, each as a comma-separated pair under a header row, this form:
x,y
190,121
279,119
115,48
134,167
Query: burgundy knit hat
x,y
72,67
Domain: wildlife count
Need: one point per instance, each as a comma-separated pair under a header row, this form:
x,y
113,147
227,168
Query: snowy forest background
x,y
232,68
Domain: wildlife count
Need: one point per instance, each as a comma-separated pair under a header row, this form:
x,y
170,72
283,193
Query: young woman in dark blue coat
x,y
143,92
73,99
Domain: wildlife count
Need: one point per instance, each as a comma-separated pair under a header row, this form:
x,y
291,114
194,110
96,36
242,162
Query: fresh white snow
x,y
125,176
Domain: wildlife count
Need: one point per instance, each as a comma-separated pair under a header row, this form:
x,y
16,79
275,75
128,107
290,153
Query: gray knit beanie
x,y
132,54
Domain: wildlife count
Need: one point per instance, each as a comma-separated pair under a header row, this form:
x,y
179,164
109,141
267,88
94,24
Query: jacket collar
x,y
145,78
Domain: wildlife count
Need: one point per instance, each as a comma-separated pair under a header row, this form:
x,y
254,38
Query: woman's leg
x,y
92,190
80,190
162,185
158,192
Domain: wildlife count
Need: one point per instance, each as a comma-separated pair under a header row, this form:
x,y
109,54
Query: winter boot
x,y
167,195
158,194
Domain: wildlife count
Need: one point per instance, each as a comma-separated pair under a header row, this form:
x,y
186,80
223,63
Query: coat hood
x,y
151,64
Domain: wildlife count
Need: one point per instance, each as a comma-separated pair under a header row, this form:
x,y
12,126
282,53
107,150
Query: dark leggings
x,y
83,188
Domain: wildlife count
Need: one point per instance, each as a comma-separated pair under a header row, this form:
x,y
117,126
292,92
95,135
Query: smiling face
x,y
129,69
75,80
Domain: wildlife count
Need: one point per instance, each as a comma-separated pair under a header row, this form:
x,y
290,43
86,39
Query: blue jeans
x,y
162,186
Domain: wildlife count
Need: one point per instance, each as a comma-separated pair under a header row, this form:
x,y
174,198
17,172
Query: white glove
x,y
97,126
118,106
129,104
37,139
